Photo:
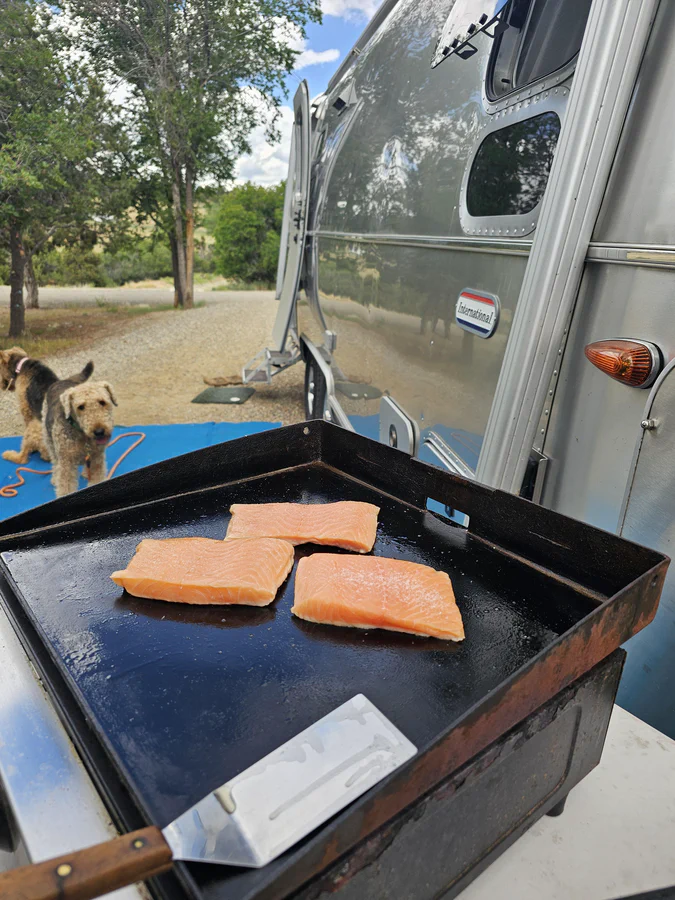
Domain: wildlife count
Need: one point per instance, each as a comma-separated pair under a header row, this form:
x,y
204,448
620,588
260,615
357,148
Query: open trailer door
x,y
284,349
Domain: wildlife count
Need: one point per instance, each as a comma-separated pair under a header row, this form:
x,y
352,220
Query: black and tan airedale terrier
x,y
77,421
31,379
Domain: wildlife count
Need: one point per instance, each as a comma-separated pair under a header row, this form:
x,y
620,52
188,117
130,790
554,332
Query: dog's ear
x,y
66,399
107,387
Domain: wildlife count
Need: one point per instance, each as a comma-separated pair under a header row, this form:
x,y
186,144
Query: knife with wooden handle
x,y
249,821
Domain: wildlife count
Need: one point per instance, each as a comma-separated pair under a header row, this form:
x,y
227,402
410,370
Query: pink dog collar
x,y
19,365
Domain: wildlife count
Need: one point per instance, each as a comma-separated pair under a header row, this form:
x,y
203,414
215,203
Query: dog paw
x,y
12,456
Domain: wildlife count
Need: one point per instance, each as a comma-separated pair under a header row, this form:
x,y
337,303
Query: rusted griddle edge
x,y
370,850
576,653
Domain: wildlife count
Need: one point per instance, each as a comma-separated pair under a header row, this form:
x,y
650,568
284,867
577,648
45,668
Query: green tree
x,y
200,75
56,170
247,232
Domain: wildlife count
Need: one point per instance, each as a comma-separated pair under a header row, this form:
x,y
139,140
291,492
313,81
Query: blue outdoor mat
x,y
161,442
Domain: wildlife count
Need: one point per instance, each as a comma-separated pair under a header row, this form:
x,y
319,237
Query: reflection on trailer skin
x,y
421,372
393,309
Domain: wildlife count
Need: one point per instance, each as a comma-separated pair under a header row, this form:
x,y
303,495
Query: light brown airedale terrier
x,y
77,425
31,379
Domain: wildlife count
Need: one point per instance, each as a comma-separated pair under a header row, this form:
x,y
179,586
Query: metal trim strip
x,y
650,255
603,87
642,255
472,245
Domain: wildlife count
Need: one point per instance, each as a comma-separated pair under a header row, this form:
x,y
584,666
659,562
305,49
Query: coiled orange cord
x,y
11,490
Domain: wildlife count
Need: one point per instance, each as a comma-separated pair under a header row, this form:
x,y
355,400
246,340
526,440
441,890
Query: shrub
x,y
247,229
145,261
69,266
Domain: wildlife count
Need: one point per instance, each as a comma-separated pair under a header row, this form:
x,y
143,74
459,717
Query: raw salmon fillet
x,y
199,570
347,524
375,592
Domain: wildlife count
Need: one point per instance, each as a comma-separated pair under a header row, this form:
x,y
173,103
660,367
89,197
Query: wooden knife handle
x,y
89,873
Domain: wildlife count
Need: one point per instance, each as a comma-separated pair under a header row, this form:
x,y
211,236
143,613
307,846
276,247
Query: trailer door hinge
x,y
330,341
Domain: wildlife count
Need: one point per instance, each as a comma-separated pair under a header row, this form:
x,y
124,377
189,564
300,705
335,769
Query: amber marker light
x,y
636,363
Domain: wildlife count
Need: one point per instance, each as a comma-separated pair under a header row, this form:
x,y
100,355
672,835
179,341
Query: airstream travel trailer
x,y
484,190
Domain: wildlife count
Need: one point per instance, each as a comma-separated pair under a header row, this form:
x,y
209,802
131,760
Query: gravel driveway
x,y
149,296
156,365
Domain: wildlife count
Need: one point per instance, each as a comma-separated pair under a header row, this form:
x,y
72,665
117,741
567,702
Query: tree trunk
x,y
16,310
178,298
180,281
189,241
30,283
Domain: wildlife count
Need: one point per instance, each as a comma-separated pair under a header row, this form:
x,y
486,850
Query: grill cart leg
x,y
558,809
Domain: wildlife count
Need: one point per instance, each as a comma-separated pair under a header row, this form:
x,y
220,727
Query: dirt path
x,y
156,365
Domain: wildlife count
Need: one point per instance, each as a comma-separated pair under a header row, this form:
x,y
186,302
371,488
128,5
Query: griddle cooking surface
x,y
184,698
190,696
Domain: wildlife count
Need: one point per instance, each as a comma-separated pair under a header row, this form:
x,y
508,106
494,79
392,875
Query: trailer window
x,y
541,37
511,168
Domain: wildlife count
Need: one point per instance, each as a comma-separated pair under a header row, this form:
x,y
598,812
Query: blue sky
x,y
320,54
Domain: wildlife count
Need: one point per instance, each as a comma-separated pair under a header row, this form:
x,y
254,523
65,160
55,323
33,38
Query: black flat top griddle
x,y
168,701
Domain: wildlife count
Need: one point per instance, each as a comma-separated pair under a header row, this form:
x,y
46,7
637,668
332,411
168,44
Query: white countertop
x,y
615,838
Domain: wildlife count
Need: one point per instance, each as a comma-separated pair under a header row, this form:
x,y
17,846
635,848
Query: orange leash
x,y
11,490
141,437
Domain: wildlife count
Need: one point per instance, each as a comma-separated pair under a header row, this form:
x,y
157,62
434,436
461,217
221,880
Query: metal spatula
x,y
249,821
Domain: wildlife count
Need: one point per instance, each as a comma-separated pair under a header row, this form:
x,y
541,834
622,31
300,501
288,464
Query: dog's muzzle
x,y
101,436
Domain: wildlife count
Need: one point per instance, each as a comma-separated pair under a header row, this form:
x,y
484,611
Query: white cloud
x,y
267,164
355,10
306,57
315,58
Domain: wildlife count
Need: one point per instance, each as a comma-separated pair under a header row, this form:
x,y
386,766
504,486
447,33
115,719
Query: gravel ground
x,y
151,294
157,364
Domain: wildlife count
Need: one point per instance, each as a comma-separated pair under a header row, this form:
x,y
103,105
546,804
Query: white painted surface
x,y
615,838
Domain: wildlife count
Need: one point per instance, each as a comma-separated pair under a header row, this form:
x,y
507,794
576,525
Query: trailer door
x,y
295,219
